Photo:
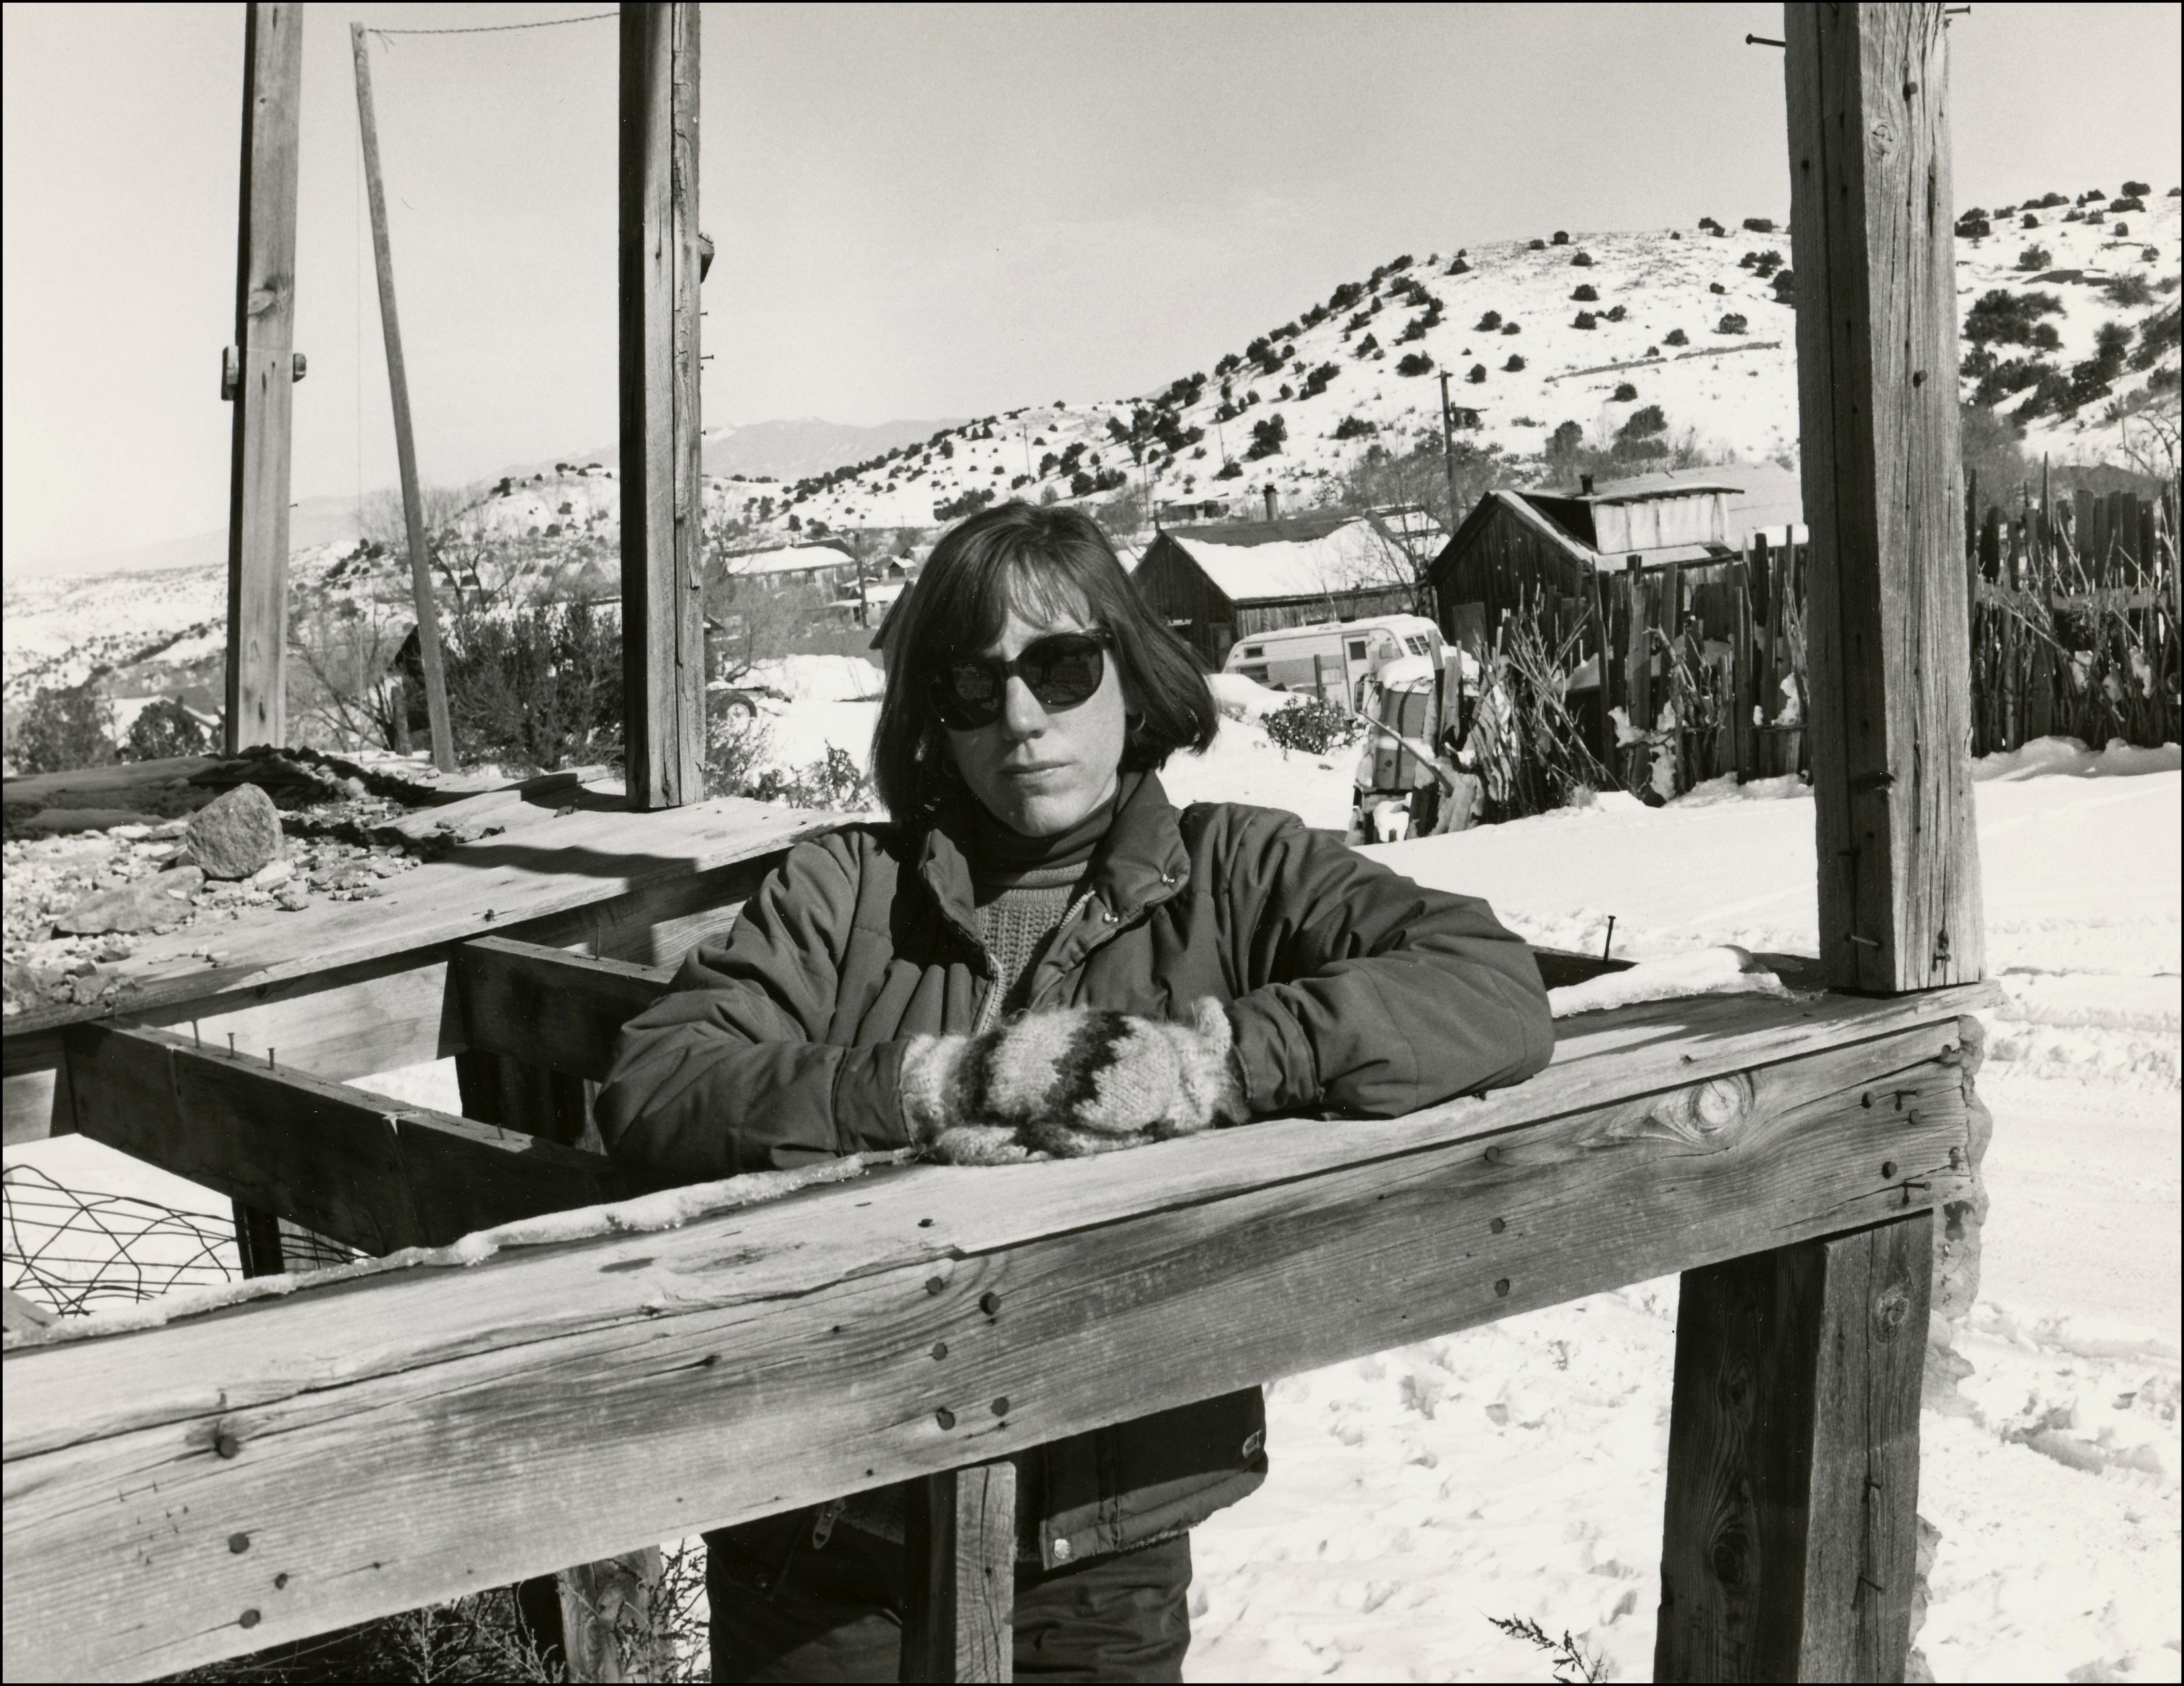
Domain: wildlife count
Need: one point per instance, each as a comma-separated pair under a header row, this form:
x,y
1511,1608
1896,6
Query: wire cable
x,y
503,29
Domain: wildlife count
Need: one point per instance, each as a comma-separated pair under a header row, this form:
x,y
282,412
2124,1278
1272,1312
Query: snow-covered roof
x,y
1248,567
1640,488
790,559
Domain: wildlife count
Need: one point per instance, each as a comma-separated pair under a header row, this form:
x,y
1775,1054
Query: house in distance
x,y
1218,583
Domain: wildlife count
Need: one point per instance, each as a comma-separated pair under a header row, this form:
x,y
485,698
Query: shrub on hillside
x,y
1586,320
2000,317
1786,286
1618,313
542,686
1515,363
1643,424
954,509
1625,394
1417,363
1355,428
1312,726
1562,236
2129,289
1583,260
1716,286
1459,267
63,728
1267,437
2130,202
164,728
1731,323
2049,201
1341,299
1511,327
1675,337
1315,383
1367,347
2028,220
1536,245
2135,190
1585,293
1971,227
1760,225
1477,374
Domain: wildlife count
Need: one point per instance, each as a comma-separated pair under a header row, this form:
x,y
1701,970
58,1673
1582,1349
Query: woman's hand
x,y
1067,1082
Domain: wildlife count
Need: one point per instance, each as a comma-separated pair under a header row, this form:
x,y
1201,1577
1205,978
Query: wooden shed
x,y
1215,584
1518,548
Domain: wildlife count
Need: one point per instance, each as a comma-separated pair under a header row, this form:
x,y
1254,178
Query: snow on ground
x,y
1517,1470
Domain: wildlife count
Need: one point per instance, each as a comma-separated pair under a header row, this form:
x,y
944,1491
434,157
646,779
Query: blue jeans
x,y
784,1610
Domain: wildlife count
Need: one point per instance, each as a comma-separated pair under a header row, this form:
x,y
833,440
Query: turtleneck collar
x,y
998,853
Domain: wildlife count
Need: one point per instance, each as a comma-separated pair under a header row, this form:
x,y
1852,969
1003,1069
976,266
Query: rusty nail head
x,y
226,1443
1956,1158
249,1618
1501,1289
925,1223
1866,1100
989,1303
1888,1170
1001,1406
933,1285
1498,1226
238,1543
280,1580
945,1417
940,1349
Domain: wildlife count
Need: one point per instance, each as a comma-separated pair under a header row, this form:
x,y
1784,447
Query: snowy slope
x,y
1731,393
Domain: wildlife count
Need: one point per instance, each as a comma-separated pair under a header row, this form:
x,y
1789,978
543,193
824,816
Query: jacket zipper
x,y
990,1009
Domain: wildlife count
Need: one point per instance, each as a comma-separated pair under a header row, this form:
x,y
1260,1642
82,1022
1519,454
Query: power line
x,y
503,29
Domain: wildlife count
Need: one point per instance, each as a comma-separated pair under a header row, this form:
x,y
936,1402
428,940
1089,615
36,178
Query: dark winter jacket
x,y
1351,990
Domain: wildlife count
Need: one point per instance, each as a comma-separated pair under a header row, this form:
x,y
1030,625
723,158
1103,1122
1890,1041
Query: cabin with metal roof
x,y
1217,584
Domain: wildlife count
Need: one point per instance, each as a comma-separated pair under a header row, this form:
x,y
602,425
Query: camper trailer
x,y
1334,660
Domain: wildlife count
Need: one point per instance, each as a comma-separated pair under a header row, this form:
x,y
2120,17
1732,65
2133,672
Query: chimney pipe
x,y
1273,504
1585,481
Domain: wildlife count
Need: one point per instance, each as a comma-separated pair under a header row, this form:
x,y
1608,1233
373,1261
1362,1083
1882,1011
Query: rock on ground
x,y
236,835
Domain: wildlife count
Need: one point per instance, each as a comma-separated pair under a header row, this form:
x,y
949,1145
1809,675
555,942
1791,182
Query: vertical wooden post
x,y
259,374
405,447
960,1536
257,1241
1889,656
662,608
1790,1543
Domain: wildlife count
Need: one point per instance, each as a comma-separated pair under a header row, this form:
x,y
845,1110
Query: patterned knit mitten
x,y
1066,1082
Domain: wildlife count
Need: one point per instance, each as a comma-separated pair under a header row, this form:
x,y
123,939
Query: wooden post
x,y
960,1536
405,447
662,607
1889,649
259,372
1790,1543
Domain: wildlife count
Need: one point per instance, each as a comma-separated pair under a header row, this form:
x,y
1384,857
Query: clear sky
x,y
920,211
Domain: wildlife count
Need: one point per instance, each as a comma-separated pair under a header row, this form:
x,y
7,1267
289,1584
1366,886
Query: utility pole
x,y
258,375
1448,451
405,446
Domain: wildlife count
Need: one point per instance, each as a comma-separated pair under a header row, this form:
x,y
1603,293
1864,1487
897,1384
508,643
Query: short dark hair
x,y
1045,561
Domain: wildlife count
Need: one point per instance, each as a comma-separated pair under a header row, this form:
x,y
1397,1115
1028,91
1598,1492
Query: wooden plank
x,y
960,1539
405,445
663,630
557,1010
1889,644
1790,1543
744,1365
661,873
369,1172
262,390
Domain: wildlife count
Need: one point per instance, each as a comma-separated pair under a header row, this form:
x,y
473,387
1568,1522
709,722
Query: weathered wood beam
x,y
748,1364
960,1539
260,378
552,1008
1888,633
369,1172
1791,1544
662,490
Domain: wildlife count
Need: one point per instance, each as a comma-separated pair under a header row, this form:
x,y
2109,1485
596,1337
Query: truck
x,y
1334,660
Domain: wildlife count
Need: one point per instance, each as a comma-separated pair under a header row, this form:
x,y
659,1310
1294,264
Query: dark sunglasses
x,y
1061,670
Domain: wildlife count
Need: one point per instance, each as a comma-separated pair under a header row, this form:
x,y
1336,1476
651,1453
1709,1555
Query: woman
x,y
1043,958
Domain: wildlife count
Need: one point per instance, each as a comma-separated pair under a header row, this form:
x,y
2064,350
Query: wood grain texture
x,y
369,1172
1888,629
1789,1543
405,446
960,1534
390,1432
265,394
663,643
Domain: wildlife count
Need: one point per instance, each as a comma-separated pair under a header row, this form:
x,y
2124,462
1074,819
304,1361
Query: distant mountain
x,y
778,450
312,522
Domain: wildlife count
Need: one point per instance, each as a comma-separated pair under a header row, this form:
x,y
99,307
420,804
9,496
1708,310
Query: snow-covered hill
x,y
1584,328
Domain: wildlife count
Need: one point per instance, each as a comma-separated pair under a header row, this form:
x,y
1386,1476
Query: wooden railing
x,y
382,1444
